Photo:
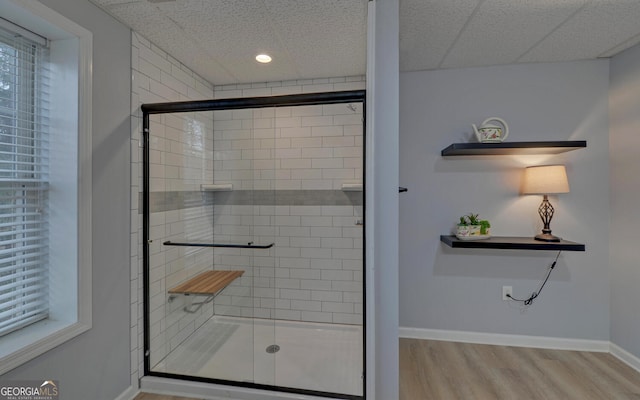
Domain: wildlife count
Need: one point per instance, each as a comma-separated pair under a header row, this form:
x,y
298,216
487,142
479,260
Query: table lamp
x,y
545,180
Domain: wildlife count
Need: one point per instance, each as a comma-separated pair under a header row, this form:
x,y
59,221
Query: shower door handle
x,y
249,245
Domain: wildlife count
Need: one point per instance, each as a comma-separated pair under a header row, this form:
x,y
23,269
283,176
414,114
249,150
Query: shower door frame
x,y
306,99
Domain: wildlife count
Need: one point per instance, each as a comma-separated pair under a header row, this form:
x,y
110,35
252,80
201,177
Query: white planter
x,y
474,230
463,231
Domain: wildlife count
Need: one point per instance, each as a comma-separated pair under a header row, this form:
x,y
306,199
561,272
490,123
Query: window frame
x,y
71,48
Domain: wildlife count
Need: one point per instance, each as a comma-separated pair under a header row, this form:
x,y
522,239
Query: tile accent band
x,y
178,200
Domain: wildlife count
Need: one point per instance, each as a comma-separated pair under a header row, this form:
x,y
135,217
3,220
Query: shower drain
x,y
274,348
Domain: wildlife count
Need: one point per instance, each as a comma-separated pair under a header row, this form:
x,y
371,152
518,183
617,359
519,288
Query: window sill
x,y
28,343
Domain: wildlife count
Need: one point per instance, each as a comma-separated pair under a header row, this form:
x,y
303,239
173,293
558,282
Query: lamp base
x,y
547,237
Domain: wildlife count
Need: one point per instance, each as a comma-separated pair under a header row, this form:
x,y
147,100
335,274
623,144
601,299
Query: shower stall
x,y
253,242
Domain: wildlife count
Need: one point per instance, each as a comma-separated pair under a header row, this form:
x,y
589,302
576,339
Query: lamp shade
x,y
545,179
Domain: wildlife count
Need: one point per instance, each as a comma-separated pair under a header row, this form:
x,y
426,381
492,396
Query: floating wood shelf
x,y
511,243
512,148
207,283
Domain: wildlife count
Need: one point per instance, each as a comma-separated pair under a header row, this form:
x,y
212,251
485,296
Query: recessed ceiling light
x,y
263,58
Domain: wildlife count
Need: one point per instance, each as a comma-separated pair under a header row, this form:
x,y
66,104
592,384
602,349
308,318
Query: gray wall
x,y
95,365
443,288
624,142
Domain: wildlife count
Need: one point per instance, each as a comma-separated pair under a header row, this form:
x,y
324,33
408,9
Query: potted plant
x,y
485,227
463,227
471,227
474,224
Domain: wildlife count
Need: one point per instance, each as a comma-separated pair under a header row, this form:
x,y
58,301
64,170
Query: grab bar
x,y
249,245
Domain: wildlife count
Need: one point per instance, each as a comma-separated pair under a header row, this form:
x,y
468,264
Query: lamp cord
x,y
534,295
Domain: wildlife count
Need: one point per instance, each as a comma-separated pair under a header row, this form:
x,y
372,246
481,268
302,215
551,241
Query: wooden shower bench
x,y
209,283
206,283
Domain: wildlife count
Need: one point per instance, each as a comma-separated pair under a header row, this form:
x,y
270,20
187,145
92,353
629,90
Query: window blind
x,y
24,160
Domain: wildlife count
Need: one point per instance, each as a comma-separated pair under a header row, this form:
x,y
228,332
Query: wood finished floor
x,y
446,370
437,370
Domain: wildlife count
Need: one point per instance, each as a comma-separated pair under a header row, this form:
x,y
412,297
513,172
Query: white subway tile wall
x,y
158,77
293,148
314,271
299,148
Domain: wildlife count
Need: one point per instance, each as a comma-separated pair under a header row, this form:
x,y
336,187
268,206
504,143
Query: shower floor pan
x,y
302,355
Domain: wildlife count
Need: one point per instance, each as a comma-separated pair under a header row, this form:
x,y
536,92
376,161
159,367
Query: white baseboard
x,y
506,340
624,356
128,394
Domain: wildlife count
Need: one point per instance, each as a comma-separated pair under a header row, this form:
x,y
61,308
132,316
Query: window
x,y
23,182
45,180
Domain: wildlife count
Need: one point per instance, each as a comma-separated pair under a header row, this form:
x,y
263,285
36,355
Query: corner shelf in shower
x,y
216,187
207,283
351,187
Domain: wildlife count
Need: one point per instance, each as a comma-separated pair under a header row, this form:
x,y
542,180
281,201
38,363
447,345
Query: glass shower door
x,y
206,262
242,158
255,244
179,218
319,258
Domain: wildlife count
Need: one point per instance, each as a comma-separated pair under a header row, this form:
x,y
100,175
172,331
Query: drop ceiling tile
x,y
219,38
428,28
322,38
622,46
221,25
306,39
247,70
500,31
147,19
598,28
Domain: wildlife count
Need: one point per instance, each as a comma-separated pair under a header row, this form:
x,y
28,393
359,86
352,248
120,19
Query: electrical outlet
x,y
506,290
